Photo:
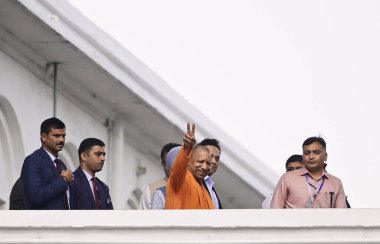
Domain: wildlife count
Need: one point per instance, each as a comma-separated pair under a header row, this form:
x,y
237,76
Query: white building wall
x,y
29,97
141,171
32,102
103,91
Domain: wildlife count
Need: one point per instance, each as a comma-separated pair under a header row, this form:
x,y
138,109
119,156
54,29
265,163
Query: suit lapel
x,y
86,185
216,194
205,185
47,160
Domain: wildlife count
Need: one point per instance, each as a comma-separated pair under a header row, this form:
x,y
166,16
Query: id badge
x,y
309,203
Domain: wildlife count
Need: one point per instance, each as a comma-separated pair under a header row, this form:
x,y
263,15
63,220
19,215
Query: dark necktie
x,y
58,165
58,168
96,193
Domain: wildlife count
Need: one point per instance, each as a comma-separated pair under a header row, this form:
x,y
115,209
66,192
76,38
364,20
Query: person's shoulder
x,y
298,172
35,157
288,174
153,186
293,174
37,153
102,183
78,172
333,177
78,179
159,182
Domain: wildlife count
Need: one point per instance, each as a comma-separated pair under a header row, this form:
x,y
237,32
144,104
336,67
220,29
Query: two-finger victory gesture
x,y
189,138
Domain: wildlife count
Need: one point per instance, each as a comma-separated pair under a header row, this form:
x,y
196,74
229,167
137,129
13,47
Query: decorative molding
x,y
192,226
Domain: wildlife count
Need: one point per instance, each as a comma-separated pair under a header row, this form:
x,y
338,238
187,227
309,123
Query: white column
x,y
117,161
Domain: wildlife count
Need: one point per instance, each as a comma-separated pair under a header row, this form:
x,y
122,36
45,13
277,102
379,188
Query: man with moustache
x,y
215,150
44,176
88,191
311,186
184,189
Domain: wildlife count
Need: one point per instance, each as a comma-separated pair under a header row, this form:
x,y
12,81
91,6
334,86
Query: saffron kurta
x,y
182,190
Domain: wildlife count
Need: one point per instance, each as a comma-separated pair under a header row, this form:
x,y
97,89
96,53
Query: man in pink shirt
x,y
294,162
311,186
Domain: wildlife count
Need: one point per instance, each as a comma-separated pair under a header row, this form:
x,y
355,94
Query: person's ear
x,y
43,137
326,157
83,156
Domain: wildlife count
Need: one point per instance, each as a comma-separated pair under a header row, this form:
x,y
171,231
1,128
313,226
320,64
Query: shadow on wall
x,y
133,200
69,156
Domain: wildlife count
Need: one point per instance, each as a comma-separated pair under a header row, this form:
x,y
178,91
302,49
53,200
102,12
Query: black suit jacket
x,y
81,196
43,187
17,197
204,183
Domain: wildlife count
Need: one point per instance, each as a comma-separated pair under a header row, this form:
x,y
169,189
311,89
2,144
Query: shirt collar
x,y
88,176
209,181
50,155
303,171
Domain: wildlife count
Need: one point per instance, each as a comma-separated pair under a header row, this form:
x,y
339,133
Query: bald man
x,y
184,189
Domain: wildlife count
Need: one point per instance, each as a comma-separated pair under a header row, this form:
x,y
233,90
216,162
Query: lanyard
x,y
312,196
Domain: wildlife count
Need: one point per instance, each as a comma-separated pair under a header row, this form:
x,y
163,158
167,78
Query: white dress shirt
x,y
210,183
158,200
89,177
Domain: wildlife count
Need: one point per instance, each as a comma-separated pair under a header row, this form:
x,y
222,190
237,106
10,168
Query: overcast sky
x,y
270,73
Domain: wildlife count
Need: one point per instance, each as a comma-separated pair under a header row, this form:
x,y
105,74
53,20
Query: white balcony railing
x,y
224,226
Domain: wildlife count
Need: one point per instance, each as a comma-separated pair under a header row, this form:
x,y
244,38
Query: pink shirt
x,y
293,191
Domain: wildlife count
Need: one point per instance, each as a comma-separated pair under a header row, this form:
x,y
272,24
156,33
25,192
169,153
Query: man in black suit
x,y
215,150
44,176
87,191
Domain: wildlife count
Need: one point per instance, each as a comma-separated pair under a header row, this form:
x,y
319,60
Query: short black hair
x,y
167,147
52,123
211,142
86,145
313,139
294,158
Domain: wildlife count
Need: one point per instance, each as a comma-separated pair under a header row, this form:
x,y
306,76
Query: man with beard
x,y
184,189
44,176
311,186
88,191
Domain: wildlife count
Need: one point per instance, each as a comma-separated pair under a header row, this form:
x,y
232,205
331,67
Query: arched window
x,y
11,151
